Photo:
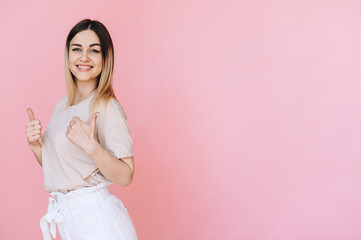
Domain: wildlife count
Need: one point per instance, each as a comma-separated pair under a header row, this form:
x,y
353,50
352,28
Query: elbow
x,y
127,177
125,181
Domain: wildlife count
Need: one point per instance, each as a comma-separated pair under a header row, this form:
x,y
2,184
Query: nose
x,y
84,57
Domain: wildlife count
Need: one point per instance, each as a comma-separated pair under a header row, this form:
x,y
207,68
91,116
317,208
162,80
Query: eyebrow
x,y
91,45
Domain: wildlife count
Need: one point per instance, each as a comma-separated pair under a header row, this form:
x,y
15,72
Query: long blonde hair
x,y
104,90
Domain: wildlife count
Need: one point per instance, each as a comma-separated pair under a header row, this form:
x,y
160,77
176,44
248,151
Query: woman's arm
x,y
33,133
37,152
83,135
116,170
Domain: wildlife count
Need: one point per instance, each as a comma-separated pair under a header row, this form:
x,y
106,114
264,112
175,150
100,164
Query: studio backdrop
x,y
245,115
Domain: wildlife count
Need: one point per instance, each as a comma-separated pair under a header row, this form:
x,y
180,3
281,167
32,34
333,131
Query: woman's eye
x,y
78,49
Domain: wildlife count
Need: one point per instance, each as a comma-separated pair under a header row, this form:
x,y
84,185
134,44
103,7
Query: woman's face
x,y
85,56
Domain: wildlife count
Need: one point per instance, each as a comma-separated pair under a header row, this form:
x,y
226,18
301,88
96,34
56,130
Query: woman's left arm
x,y
116,170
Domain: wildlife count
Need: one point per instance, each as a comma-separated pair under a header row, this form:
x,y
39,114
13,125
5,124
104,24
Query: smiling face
x,y
85,56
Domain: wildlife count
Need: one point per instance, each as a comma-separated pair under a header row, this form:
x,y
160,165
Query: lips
x,y
84,68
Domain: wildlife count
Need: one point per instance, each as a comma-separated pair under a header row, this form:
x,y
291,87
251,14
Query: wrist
x,y
34,146
91,147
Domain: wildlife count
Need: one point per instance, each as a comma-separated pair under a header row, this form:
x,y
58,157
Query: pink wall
x,y
245,115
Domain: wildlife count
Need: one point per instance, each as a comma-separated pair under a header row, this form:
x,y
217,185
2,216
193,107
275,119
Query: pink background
x,y
245,115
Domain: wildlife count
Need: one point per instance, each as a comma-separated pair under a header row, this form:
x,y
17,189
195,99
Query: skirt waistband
x,y
94,193
73,199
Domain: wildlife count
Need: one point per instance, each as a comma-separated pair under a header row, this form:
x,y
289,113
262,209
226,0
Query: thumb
x,y
30,114
93,119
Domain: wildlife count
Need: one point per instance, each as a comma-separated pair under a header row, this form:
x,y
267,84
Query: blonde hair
x,y
104,89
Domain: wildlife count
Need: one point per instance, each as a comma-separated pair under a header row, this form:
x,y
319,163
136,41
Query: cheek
x,y
71,60
72,56
99,61
100,64
71,66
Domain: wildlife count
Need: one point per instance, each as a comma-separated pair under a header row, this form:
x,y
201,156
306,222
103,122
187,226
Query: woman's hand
x,y
33,130
82,134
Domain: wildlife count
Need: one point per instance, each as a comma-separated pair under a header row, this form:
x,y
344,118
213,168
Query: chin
x,y
84,79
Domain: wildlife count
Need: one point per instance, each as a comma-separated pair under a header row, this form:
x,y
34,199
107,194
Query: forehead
x,y
85,38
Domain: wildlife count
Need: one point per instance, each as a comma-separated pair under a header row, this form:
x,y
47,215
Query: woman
x,y
86,146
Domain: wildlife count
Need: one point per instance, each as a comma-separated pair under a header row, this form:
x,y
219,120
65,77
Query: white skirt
x,y
89,213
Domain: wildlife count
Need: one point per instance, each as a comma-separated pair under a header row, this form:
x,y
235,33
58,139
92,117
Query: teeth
x,y
84,67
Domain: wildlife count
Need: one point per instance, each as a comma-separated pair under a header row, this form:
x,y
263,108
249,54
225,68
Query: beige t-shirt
x,y
66,166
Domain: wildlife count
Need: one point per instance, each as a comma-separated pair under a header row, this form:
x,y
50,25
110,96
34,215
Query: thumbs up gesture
x,y
80,133
33,129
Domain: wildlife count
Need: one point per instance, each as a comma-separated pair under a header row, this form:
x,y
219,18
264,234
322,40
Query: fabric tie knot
x,y
53,216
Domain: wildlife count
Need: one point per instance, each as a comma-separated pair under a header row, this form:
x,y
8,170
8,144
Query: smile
x,y
84,68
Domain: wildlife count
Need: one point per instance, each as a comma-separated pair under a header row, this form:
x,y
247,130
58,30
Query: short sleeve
x,y
58,107
113,131
57,110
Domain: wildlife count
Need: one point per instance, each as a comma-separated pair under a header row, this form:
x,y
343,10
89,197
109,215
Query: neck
x,y
85,89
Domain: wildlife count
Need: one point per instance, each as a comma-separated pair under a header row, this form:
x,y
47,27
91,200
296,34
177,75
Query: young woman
x,y
86,146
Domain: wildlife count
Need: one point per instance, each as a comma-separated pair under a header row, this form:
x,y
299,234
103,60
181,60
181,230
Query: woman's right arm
x,y
33,133
37,152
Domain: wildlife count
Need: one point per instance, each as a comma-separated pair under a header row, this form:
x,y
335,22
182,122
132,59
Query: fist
x,y
33,129
81,133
